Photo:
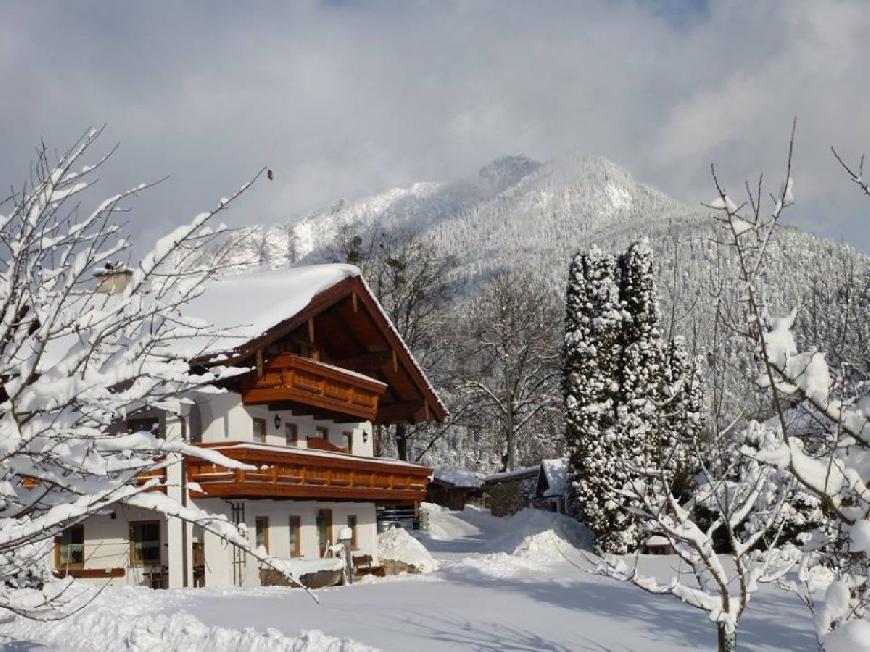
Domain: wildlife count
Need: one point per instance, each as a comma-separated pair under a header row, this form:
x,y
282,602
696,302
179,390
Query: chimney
x,y
113,278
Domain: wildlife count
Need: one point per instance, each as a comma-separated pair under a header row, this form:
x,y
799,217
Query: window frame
x,y
265,531
59,544
143,562
328,522
295,524
352,523
257,421
294,427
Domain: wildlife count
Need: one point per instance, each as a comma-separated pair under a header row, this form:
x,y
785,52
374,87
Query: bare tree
x,y
74,362
509,358
415,284
821,418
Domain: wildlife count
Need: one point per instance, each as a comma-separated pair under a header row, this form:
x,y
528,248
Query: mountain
x,y
523,215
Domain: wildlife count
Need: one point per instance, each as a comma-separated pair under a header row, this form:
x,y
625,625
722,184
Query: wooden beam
x,y
355,301
311,330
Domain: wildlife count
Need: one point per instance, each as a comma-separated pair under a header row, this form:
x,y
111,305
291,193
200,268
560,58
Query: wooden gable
x,y
342,329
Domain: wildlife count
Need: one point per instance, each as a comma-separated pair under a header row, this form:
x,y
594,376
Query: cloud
x,y
349,98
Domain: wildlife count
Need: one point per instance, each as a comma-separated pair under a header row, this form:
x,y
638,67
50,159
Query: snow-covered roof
x,y
250,304
459,478
556,473
528,471
241,312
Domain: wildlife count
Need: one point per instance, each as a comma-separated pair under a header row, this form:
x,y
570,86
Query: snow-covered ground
x,y
501,584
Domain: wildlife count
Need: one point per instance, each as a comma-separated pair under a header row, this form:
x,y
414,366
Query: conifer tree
x,y
682,415
632,402
590,362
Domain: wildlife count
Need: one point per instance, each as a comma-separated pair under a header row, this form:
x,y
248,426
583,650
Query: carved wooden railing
x,y
291,378
289,473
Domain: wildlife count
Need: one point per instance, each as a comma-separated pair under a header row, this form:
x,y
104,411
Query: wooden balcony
x,y
298,382
153,474
284,472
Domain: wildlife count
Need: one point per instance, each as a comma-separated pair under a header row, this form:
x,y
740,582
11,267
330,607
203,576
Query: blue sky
x,y
349,98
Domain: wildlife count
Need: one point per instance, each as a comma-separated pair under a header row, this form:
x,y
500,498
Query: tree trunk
x,y
511,455
402,441
727,640
377,440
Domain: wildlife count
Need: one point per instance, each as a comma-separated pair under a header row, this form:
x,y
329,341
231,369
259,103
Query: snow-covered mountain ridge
x,y
513,206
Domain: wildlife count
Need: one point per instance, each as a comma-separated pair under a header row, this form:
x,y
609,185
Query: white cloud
x,y
351,98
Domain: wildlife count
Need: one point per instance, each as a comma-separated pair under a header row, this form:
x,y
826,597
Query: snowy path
x,y
481,598
490,601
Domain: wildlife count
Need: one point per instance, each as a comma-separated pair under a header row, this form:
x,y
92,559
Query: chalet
x,y
324,365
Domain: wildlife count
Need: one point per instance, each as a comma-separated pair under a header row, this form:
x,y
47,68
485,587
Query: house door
x,y
324,529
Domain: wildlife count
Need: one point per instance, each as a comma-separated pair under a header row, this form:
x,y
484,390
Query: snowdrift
x,y
127,618
540,536
396,544
523,544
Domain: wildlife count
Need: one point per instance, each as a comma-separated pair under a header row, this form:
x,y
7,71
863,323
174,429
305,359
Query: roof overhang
x,y
360,339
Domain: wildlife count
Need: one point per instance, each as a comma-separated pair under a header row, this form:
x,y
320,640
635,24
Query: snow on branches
x,y
76,362
822,423
629,395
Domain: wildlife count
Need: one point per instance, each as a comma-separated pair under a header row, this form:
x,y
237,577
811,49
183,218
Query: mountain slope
x,y
521,215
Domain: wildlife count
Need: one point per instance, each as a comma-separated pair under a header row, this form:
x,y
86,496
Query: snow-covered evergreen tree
x,y
682,414
633,403
591,358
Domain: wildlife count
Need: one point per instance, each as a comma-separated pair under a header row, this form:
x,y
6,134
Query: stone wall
x,y
510,496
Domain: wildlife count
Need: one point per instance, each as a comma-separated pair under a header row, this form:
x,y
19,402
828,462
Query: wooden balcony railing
x,y
159,474
141,478
288,378
300,473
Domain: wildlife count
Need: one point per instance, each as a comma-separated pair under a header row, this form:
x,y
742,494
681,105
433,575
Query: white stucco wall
x,y
219,556
224,418
107,542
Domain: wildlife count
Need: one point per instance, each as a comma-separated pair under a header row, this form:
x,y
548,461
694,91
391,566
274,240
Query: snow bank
x,y
398,545
127,618
526,543
539,536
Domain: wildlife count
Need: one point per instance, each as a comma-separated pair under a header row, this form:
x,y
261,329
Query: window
x,y
322,431
324,530
151,425
295,536
348,441
69,548
261,532
260,431
145,543
291,434
351,523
